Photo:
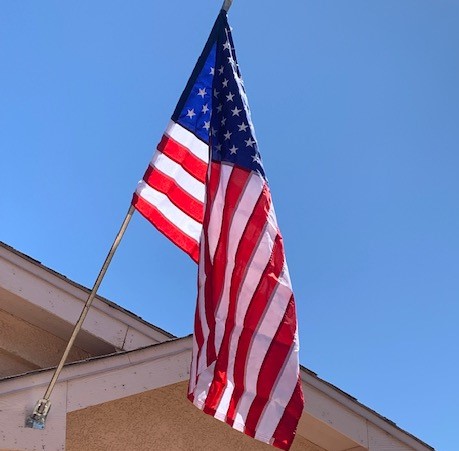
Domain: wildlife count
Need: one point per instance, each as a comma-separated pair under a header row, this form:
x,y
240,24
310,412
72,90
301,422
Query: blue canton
x,y
195,115
217,109
232,134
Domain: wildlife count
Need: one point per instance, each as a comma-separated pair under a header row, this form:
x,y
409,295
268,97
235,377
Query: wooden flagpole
x,y
38,417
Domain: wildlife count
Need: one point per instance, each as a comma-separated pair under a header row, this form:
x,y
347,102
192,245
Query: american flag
x,y
206,190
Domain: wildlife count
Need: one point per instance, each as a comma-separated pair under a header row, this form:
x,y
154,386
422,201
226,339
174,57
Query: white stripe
x,y
182,177
201,363
213,234
176,216
192,380
201,318
288,377
202,387
223,405
239,221
188,140
280,396
242,214
200,311
218,206
255,270
256,267
259,346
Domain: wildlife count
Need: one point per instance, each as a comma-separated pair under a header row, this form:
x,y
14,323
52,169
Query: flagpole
x,y
38,417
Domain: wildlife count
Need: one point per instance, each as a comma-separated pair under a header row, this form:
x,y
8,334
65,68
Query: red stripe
x,y
198,330
183,156
199,339
284,336
216,279
212,187
176,194
257,307
273,364
285,432
246,247
171,231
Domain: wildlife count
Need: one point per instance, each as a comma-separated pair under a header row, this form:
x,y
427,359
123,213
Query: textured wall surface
x,y
161,419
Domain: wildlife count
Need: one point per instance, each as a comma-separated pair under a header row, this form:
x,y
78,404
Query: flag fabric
x,y
206,190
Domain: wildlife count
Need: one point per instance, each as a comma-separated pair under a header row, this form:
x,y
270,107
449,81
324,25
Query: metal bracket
x,y
38,418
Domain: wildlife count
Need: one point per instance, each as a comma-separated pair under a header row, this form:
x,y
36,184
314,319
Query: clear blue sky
x,y
356,108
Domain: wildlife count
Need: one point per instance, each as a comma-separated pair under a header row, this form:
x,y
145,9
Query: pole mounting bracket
x,y
38,417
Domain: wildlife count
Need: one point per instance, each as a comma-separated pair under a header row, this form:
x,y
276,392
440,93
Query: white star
x,y
249,142
223,121
233,150
256,158
219,108
205,108
216,93
229,97
225,83
191,113
236,111
243,127
206,125
213,132
218,147
227,135
202,92
226,45
230,60
212,71
220,71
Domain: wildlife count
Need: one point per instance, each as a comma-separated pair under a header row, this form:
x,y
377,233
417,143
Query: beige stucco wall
x,y
25,347
161,419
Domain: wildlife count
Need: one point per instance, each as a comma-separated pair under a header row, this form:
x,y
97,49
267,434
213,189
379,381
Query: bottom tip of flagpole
x,y
37,419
